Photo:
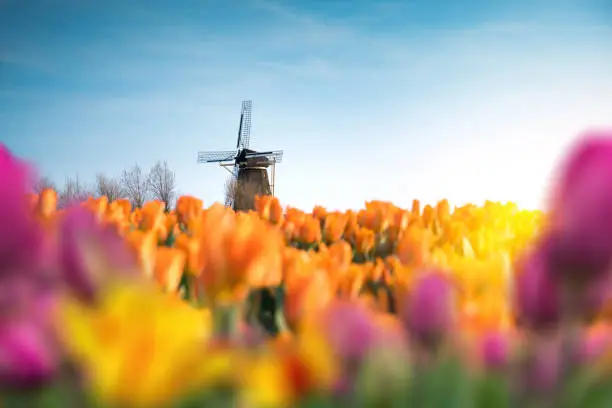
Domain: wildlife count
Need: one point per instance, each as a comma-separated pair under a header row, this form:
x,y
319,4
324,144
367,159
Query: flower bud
x,y
351,329
429,313
536,295
581,213
26,357
495,350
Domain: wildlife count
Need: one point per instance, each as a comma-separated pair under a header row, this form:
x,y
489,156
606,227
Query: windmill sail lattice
x,y
248,168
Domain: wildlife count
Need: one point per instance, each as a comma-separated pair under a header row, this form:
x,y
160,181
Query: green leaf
x,y
446,385
185,285
492,391
587,389
316,401
171,239
62,393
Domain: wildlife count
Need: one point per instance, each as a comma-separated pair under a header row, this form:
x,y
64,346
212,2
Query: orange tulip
x,y
334,227
364,240
47,203
145,246
191,247
269,209
169,266
310,231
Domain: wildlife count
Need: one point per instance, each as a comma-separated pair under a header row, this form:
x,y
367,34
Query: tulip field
x,y
478,306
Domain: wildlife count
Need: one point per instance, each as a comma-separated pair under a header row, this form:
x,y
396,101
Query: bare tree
x,y
161,183
108,186
74,191
135,186
44,183
230,189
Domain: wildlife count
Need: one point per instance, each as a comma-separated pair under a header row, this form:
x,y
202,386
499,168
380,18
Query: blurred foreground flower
x,y
431,309
581,213
27,358
90,253
20,235
537,299
138,347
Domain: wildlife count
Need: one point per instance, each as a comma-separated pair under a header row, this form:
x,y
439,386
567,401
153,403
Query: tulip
x,y
430,310
536,295
494,349
351,329
19,236
26,357
17,291
593,297
89,252
581,220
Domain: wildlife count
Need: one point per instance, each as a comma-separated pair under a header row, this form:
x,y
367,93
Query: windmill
x,y
248,168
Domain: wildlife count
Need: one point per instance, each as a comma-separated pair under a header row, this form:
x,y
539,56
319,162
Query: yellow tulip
x,y
138,347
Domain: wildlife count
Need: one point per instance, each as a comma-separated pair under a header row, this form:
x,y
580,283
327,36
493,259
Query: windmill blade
x,y
244,131
273,155
218,156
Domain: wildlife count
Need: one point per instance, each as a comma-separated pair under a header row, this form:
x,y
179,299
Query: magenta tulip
x,y
27,358
495,350
581,213
350,329
89,253
430,309
537,296
19,236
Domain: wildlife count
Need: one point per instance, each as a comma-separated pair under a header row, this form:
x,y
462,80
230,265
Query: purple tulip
x,y
495,349
17,290
89,252
27,359
593,297
430,309
581,221
536,294
350,329
19,235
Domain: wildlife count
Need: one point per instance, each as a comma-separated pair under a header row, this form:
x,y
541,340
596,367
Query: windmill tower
x,y
248,168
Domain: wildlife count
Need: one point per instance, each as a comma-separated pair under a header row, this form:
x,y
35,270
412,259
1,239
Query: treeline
x,y
134,184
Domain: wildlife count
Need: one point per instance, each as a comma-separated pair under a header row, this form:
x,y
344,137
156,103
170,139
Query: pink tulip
x,y
581,213
495,349
593,296
19,235
430,309
89,253
350,328
536,294
27,359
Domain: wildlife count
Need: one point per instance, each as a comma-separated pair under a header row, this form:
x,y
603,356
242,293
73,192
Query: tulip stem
x,y
570,335
226,319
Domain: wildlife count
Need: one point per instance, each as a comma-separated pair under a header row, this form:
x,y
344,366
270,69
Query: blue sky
x,y
384,99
